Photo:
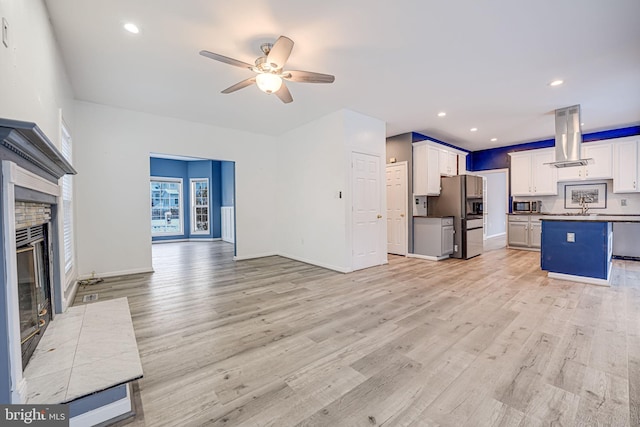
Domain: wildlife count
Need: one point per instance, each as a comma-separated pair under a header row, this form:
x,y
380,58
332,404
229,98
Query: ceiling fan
x,y
269,69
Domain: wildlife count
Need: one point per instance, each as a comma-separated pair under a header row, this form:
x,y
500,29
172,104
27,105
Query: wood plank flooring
x,y
489,341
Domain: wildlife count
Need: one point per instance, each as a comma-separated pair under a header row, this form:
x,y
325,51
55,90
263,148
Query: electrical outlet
x,y
5,32
571,237
623,202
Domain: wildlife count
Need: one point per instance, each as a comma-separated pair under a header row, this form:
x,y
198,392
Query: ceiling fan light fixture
x,y
268,82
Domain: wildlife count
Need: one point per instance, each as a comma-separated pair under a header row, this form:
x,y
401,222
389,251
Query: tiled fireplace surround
x,y
31,167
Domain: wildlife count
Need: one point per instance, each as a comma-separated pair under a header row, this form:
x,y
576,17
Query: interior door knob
x,y
379,216
401,215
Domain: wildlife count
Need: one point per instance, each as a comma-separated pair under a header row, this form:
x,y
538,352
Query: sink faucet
x,y
584,206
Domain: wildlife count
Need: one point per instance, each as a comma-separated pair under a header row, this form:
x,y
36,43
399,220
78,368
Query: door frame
x,y
406,203
504,171
382,237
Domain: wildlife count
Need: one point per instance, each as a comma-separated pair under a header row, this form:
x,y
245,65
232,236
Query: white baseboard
x,y
106,274
192,239
104,413
428,257
254,256
319,264
496,235
582,279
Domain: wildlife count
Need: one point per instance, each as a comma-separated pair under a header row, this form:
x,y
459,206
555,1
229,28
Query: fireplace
x,y
34,291
31,270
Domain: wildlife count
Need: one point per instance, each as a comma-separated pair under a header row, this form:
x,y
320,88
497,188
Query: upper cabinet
x,y
531,175
599,167
430,161
426,171
448,161
626,160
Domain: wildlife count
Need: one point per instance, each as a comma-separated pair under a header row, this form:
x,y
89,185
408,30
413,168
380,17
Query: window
x,y
67,200
200,206
166,207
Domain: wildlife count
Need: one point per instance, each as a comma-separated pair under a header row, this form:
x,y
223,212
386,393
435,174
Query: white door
x,y
397,208
367,213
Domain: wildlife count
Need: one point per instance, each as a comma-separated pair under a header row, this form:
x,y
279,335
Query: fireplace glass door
x,y
33,294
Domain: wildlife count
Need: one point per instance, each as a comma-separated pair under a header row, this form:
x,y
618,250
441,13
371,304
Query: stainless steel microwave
x,y
526,206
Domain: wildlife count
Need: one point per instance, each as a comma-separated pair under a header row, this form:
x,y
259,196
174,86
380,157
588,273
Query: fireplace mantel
x,y
31,166
27,146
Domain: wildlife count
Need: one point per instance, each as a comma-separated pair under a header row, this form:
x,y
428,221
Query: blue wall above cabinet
x,y
498,158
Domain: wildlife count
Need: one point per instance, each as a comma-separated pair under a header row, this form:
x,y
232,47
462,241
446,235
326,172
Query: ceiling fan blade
x,y
240,85
308,77
280,52
284,94
226,59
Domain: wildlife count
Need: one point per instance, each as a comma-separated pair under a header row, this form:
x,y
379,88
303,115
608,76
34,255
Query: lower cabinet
x,y
432,237
524,231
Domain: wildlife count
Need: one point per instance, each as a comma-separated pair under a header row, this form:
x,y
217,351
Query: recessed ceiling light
x,y
473,129
494,139
442,114
556,83
131,27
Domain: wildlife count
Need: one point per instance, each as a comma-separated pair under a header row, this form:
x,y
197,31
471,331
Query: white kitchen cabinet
x,y
626,158
531,175
426,171
599,167
448,162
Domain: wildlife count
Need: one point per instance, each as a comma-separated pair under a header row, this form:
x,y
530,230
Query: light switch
x,y
571,237
5,32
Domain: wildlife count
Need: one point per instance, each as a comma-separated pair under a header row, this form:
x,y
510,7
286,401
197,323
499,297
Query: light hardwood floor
x,y
484,342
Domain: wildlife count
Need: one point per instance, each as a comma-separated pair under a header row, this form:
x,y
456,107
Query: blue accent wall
x,y
187,170
228,172
498,158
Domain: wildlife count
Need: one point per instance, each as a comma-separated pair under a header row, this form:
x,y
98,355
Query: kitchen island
x,y
579,247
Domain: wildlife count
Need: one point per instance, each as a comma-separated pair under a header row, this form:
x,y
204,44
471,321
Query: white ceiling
x,y
486,63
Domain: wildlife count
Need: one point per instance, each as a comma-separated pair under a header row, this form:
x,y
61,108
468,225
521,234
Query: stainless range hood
x,y
568,138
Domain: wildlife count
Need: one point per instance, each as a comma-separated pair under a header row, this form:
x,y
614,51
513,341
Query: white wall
x,y
112,157
33,81
497,202
34,86
314,164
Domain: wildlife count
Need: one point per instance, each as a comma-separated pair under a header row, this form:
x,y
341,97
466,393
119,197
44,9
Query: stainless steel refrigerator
x,y
461,197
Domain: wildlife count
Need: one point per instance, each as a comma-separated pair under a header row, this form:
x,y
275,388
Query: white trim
x,y
104,413
317,264
116,273
23,178
583,279
428,257
254,256
192,206
10,177
493,236
406,205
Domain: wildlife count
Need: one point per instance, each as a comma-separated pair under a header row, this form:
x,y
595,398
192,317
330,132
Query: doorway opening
x,y
192,199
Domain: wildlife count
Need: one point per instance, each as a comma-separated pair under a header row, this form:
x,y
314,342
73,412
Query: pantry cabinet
x,y
626,161
531,175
